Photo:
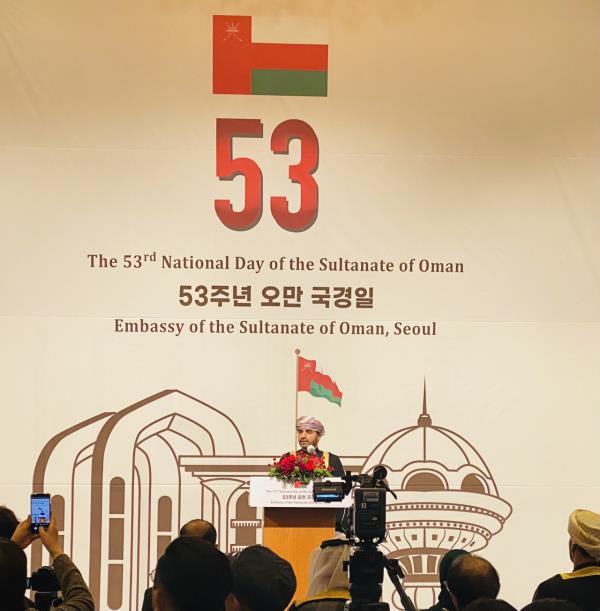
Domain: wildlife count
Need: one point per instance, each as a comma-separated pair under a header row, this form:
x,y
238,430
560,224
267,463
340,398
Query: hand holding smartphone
x,y
40,512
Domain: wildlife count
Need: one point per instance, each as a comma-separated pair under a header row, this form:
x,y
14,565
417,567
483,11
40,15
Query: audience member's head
x,y
489,604
262,581
551,604
13,575
326,567
471,577
192,575
8,522
448,558
584,531
199,528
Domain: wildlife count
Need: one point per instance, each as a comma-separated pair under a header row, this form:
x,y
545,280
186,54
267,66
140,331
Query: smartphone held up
x,y
40,512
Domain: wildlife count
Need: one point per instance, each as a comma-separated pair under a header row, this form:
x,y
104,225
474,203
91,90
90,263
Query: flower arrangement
x,y
299,467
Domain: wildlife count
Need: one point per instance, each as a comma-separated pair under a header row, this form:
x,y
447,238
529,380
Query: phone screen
x,y
40,511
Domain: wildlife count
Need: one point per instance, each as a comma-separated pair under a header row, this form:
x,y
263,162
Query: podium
x,y
293,524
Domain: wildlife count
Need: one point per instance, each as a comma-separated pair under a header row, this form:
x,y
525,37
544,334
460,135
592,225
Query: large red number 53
x,y
228,167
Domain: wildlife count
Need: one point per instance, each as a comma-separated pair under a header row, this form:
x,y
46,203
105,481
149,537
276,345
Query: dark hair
x,y
472,577
582,551
263,581
199,528
447,559
489,604
551,604
444,600
194,575
8,522
13,574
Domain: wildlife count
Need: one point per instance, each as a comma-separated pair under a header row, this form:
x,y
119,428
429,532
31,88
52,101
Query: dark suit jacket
x,y
335,464
581,587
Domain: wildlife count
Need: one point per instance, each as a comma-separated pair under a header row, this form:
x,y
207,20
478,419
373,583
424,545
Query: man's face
x,y
308,438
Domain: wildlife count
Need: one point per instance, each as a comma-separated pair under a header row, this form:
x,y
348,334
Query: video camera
x,y
46,587
368,529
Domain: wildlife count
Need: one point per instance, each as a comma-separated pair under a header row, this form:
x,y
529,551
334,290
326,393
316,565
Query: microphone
x,y
310,449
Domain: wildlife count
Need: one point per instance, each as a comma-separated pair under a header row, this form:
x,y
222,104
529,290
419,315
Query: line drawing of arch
x,y
169,420
39,471
44,455
97,492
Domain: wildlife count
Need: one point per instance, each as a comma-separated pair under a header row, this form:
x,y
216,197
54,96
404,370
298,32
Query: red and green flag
x,y
316,383
243,67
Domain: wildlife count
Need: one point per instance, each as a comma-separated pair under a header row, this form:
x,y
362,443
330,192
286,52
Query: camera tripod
x,y
365,591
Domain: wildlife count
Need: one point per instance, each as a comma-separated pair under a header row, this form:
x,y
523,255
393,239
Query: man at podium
x,y
310,430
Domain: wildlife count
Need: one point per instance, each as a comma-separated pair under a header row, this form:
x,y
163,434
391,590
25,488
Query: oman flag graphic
x,y
243,67
316,383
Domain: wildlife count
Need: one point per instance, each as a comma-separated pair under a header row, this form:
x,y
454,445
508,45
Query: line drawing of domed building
x,y
124,482
447,499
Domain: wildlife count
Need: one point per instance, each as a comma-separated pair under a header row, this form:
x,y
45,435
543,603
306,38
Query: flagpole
x,y
297,351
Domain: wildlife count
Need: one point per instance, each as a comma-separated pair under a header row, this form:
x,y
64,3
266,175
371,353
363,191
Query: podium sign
x,y
270,492
294,525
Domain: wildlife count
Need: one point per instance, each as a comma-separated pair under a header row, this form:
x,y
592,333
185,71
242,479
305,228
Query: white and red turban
x,y
305,423
584,528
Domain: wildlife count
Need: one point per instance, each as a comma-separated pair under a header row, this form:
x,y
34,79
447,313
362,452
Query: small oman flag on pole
x,y
316,383
243,67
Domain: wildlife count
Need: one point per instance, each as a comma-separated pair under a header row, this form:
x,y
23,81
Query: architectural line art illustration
x,y
136,475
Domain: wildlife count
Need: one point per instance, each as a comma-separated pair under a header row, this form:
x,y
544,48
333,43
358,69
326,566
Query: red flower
x,y
308,464
298,466
286,464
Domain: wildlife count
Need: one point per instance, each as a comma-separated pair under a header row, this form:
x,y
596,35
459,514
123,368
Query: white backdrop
x,y
461,132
